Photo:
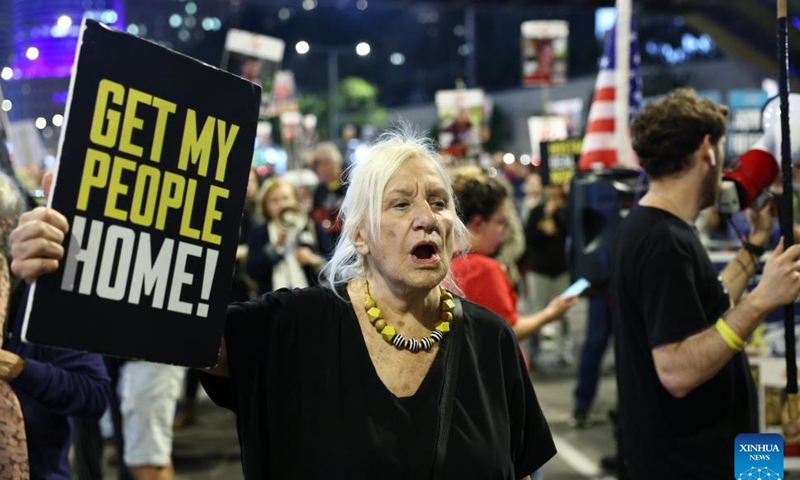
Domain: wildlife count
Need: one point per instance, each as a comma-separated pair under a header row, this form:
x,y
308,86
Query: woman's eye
x,y
440,204
401,205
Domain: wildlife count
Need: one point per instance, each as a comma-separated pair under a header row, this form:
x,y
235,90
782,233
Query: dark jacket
x,y
54,385
262,256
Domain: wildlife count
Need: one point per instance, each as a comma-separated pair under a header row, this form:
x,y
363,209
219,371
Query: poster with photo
x,y
544,52
151,175
770,379
283,97
745,105
543,129
571,109
461,121
256,58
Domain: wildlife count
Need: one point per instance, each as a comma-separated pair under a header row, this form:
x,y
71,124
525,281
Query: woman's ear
x,y
359,241
476,223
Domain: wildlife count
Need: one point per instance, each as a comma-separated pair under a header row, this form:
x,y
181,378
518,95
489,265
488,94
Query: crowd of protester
x,y
515,264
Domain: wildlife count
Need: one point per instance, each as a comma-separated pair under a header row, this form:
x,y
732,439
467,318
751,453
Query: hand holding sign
x,y
36,243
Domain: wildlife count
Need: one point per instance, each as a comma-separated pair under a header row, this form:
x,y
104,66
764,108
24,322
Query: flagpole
x,y
622,76
786,214
545,92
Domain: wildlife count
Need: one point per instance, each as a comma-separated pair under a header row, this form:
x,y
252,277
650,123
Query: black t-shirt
x,y
546,254
664,289
310,404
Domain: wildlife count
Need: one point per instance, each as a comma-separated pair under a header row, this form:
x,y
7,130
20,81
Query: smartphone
x,y
576,288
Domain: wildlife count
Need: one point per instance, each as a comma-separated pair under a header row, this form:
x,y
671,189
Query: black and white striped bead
x,y
425,343
436,336
398,341
412,345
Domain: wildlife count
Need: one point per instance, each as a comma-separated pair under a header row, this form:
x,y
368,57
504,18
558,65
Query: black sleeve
x,y
219,390
671,305
246,334
531,441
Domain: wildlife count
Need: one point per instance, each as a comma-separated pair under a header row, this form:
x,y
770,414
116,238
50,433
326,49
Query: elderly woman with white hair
x,y
383,373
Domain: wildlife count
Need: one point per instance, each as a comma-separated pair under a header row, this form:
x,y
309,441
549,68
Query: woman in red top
x,y
483,207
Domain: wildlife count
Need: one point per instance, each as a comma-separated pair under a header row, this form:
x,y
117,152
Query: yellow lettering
x,y
147,180
117,188
131,122
561,177
171,196
193,148
108,137
164,109
212,214
188,206
224,144
95,175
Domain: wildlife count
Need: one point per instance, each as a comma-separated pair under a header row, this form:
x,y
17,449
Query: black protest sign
x,y
152,171
559,160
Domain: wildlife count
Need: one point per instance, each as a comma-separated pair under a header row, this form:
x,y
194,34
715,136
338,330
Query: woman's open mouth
x,y
425,253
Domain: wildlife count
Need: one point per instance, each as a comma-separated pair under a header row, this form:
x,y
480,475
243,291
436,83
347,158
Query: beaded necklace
x,y
388,332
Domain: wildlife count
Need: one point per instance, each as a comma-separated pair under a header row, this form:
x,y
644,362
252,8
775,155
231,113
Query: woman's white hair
x,y
11,204
363,203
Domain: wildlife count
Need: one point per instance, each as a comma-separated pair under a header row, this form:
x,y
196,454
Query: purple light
x,y
51,27
796,23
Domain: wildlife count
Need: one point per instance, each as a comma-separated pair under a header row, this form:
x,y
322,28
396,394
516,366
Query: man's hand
x,y
761,223
36,243
11,365
780,282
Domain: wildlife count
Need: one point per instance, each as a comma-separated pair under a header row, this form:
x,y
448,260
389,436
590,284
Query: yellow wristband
x,y
730,337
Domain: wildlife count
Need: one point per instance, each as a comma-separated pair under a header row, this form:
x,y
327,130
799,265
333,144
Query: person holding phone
x,y
484,208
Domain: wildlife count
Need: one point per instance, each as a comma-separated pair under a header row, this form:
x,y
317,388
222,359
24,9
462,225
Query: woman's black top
x,y
310,404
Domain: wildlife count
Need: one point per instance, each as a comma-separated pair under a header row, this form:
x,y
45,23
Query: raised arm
x,y
685,365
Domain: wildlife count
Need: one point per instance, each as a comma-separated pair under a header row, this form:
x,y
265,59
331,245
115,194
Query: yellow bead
x,y
448,305
443,327
373,314
369,302
379,324
446,316
446,295
388,333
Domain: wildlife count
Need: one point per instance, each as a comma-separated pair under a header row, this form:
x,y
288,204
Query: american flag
x,y
606,143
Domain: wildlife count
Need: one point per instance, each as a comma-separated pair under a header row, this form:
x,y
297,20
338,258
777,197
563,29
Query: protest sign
x,y
153,164
559,159
544,52
461,117
256,58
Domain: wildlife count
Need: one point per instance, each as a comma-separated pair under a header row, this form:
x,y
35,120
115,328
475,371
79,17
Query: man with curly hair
x,y
685,390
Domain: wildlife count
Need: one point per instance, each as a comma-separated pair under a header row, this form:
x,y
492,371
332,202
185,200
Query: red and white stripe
x,y
605,145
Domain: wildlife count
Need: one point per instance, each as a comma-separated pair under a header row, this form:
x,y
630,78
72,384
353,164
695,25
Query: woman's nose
x,y
424,218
